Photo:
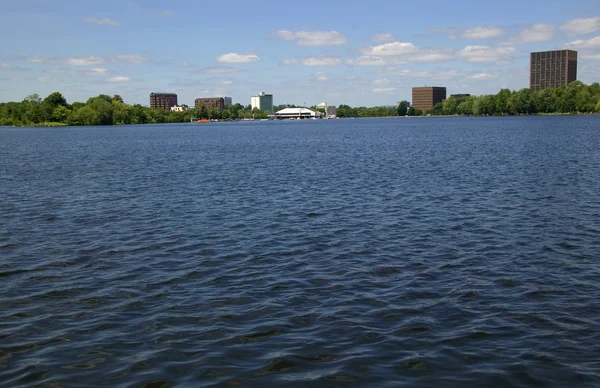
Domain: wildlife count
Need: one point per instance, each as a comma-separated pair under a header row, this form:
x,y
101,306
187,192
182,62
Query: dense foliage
x,y
105,110
575,97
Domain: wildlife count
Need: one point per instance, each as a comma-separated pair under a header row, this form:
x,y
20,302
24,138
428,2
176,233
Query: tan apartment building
x,y
552,69
424,98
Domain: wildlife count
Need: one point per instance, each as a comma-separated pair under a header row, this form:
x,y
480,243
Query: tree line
x,y
107,110
575,97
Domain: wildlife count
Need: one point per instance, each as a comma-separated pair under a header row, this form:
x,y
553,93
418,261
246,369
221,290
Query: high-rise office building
x,y
163,100
552,69
424,98
262,101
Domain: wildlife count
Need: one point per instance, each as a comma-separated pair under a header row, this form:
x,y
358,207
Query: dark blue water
x,y
417,252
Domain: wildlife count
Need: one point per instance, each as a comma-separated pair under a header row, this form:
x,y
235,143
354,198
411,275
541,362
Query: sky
x,y
308,52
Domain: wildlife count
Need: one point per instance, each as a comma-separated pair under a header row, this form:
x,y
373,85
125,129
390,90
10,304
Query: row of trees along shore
x,y
573,98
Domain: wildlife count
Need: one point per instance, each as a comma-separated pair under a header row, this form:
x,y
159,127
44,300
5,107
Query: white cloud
x,y
533,34
590,43
481,76
290,62
118,79
440,75
390,49
97,71
399,53
383,37
313,38
321,76
129,59
367,60
591,57
73,61
384,90
582,26
103,21
321,61
482,54
379,82
56,70
238,58
482,32
4,65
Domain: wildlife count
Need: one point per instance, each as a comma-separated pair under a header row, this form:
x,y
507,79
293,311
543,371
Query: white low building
x,y
297,114
177,108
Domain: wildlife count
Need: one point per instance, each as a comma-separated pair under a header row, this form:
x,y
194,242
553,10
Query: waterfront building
x,y
330,111
552,69
213,102
424,98
296,114
163,100
177,108
262,101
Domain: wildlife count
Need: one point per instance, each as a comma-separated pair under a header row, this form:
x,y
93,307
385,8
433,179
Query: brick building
x,y
163,100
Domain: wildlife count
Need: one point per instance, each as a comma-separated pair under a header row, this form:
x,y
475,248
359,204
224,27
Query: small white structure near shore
x,y
296,114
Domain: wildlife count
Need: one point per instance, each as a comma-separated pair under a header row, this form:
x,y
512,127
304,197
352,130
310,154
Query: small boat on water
x,y
203,121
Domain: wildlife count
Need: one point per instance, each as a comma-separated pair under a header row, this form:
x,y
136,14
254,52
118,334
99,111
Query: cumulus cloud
x,y
73,61
399,53
290,62
481,76
321,76
313,38
483,54
238,58
384,90
102,21
132,58
582,26
482,32
534,34
97,71
590,43
379,82
439,75
118,79
389,49
383,37
321,61
4,65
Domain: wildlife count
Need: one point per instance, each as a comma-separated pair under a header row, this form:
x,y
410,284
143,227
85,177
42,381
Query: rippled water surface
x,y
417,252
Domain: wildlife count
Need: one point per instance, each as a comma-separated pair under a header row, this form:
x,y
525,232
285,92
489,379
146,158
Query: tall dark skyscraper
x,y
425,98
551,69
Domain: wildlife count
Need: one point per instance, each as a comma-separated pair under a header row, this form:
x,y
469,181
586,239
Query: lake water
x,y
417,252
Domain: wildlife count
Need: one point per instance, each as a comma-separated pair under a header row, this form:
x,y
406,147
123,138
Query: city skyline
x,y
336,53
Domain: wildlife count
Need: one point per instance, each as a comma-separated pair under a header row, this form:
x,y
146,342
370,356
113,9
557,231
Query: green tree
x,y
402,108
104,110
87,116
450,106
55,99
61,114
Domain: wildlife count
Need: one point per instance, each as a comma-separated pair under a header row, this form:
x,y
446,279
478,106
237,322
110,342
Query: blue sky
x,y
351,52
